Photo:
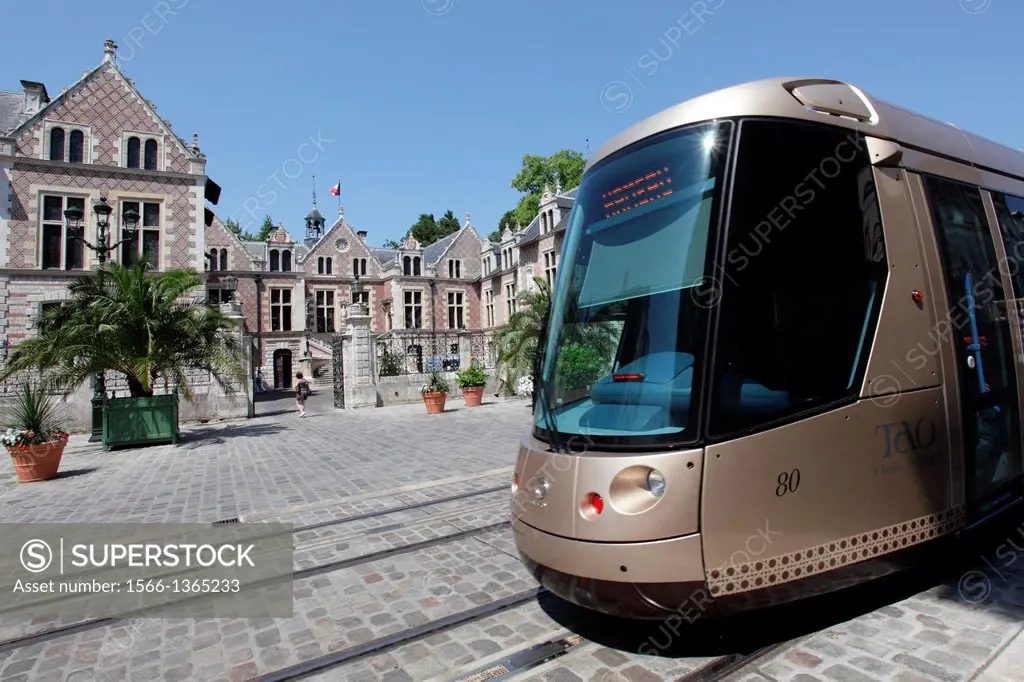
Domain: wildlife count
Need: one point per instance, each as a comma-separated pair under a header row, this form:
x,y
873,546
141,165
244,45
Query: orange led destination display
x,y
637,192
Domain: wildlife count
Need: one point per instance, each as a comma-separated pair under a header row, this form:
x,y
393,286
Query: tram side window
x,y
1010,211
804,274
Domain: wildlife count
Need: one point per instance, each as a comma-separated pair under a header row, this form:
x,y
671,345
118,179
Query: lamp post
x,y
130,221
230,285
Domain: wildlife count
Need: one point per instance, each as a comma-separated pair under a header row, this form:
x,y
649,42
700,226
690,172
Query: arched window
x,y
76,147
57,144
133,152
150,155
543,223
416,266
223,259
320,265
286,261
407,266
330,265
275,260
213,259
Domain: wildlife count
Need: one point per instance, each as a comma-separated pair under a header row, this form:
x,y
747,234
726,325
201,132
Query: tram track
x,y
50,634
319,542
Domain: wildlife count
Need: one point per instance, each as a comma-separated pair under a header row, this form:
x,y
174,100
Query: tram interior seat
x,y
662,399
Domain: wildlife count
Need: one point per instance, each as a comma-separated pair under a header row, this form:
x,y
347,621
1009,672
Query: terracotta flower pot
x,y
435,402
37,462
472,395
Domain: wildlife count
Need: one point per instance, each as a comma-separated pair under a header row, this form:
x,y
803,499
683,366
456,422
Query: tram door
x,y
980,333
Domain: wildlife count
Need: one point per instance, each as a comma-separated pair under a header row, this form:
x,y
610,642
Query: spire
x,y
314,190
467,218
341,210
558,186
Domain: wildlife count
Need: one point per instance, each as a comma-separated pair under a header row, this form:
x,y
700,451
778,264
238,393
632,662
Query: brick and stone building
x,y
422,306
98,138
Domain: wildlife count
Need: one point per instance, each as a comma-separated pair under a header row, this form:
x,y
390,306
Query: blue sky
x,y
426,105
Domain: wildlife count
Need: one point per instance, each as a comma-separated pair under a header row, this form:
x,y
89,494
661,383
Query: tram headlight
x,y
655,482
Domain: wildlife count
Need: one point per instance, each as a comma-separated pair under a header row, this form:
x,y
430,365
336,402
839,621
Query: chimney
x,y
362,234
109,51
36,96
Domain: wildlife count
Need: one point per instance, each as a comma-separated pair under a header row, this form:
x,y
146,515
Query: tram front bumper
x,y
648,580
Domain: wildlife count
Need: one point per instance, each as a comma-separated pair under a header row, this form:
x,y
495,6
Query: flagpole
x,y
339,196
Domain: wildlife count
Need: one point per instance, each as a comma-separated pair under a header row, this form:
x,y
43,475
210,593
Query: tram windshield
x,y
629,311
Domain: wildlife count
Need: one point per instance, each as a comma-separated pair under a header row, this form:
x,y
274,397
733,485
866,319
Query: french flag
x,y
336,190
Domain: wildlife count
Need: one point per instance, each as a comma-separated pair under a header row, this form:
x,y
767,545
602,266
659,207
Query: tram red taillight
x,y
595,502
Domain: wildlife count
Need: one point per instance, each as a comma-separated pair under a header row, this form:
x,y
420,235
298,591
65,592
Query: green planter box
x,y
140,421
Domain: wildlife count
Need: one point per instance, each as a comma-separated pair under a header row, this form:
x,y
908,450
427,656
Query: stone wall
x,y
405,389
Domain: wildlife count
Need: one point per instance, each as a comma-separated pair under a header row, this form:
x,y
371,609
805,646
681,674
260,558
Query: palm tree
x,y
517,338
138,323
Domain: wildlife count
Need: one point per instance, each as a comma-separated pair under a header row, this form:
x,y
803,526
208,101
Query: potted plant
x,y
435,393
35,438
472,381
147,326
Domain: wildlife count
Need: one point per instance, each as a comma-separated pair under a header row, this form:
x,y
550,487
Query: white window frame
x,y
86,131
281,304
40,243
143,137
460,295
423,318
333,307
117,226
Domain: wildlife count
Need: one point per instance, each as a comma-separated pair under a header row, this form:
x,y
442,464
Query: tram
x,y
783,354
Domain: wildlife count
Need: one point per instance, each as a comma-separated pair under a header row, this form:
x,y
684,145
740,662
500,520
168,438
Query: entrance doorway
x,y
988,386
282,368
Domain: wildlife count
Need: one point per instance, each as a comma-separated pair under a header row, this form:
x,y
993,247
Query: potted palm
x,y
35,439
472,381
149,327
435,393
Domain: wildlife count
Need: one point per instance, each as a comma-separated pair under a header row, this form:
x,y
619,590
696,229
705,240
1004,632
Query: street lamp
x,y
130,221
230,285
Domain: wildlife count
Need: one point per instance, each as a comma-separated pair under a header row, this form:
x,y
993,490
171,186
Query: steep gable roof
x,y
107,65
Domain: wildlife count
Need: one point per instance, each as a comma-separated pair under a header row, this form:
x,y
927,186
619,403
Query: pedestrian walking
x,y
302,392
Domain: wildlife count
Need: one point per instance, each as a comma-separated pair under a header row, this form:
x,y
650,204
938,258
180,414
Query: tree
x,y
586,349
391,244
236,229
564,167
517,338
506,221
448,224
137,323
427,230
265,229
424,229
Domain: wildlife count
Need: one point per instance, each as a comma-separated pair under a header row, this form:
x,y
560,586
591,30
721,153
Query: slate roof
x,y
12,111
532,231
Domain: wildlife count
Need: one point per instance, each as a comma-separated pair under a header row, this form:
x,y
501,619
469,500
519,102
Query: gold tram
x,y
783,353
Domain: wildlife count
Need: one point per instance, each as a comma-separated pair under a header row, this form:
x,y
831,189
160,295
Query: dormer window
x,y
543,223
275,260
416,266
57,144
286,261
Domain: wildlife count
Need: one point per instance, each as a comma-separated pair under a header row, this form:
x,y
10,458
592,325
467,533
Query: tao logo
x,y
900,437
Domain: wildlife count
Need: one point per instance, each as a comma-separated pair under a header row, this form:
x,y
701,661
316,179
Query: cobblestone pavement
x,y
333,466
271,462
